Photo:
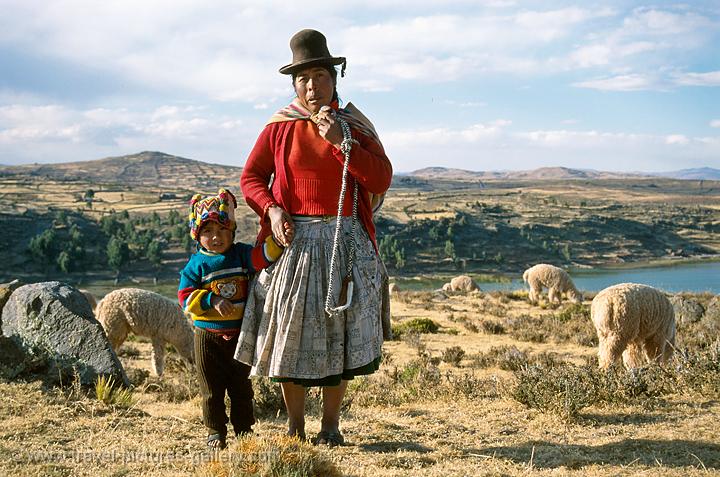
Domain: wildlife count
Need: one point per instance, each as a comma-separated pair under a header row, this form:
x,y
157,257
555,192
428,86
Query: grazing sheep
x,y
555,279
462,283
146,314
635,321
393,288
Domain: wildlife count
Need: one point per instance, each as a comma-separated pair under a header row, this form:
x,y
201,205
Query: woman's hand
x,y
223,306
282,226
329,128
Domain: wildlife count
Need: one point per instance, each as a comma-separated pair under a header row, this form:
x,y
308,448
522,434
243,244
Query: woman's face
x,y
314,87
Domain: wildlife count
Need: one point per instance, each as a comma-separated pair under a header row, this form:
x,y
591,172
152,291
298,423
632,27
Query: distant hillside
x,y
700,173
543,173
143,169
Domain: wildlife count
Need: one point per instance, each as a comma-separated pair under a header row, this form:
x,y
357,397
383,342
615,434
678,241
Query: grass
x,y
275,456
511,408
111,393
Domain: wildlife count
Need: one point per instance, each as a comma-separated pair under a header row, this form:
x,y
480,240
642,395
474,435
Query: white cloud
x,y
631,82
711,78
678,139
715,123
439,136
494,146
26,129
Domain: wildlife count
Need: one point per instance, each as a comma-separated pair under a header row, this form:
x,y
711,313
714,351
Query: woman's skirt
x,y
286,333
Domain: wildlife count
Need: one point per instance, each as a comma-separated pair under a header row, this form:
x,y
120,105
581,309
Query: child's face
x,y
215,238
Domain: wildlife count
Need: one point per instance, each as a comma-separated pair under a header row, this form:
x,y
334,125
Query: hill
x,y
148,168
542,173
699,173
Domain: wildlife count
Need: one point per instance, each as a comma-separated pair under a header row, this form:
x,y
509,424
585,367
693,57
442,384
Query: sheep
x,y
635,321
461,283
393,289
146,314
555,279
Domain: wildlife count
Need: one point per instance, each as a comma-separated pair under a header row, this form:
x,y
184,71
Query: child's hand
x,y
223,306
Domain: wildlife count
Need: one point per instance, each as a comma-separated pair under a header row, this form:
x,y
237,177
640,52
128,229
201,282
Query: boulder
x,y
686,310
55,320
6,290
463,283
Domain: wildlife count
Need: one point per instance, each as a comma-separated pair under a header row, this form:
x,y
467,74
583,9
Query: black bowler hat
x,y
309,49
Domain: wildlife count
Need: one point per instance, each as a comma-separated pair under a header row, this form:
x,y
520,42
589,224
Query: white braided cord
x,y
345,148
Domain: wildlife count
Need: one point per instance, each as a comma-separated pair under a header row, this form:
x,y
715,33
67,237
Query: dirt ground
x,y
64,432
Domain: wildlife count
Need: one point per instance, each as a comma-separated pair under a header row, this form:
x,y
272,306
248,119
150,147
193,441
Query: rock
x,y
686,310
463,283
55,319
6,290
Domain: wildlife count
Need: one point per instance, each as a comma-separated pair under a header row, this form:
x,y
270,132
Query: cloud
x,y
677,139
715,123
441,136
711,78
631,82
496,146
27,129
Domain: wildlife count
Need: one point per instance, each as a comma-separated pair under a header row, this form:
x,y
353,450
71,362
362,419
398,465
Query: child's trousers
x,y
218,372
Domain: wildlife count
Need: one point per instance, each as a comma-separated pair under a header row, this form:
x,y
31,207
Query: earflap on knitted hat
x,y
219,208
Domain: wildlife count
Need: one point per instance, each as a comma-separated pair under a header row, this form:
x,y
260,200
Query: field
x,y
477,384
498,228
447,403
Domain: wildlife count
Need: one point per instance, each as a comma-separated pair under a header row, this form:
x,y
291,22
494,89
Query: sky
x,y
478,85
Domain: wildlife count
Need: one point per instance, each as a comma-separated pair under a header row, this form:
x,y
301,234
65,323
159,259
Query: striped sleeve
x,y
261,256
192,298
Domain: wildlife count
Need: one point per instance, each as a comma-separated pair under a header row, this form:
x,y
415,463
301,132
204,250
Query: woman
x,y
293,179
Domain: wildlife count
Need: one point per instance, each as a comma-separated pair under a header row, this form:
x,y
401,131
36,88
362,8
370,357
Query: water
x,y
693,277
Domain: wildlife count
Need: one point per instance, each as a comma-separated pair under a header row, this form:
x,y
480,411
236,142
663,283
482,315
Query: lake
x,y
692,277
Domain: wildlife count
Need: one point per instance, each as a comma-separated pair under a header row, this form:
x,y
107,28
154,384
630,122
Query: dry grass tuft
x,y
273,456
110,393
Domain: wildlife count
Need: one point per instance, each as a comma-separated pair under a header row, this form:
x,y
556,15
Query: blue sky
x,y
479,85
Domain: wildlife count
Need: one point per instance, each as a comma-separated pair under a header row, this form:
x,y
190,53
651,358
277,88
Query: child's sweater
x,y
225,275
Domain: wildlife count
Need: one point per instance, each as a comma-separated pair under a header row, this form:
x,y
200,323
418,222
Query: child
x,y
213,288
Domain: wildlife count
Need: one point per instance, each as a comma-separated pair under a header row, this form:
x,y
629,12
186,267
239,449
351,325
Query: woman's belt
x,y
309,219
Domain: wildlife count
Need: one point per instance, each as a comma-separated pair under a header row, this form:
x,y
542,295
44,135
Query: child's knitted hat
x,y
219,208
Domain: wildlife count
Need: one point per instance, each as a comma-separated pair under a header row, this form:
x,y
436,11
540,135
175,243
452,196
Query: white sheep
x,y
555,279
635,321
461,283
146,314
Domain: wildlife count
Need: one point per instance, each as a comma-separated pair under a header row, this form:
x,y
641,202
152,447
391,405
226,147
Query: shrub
x,y
416,325
453,355
268,400
563,390
572,311
492,327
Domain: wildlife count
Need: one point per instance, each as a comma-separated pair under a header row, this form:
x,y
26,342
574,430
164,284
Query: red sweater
x,y
308,172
